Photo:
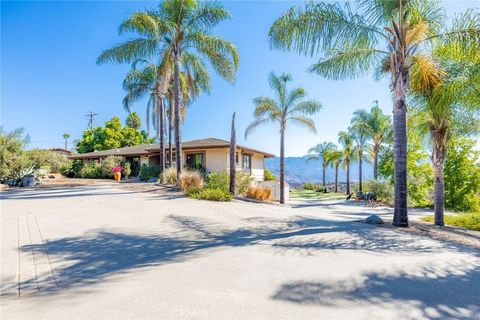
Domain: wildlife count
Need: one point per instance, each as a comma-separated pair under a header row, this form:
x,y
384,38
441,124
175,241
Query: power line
x,y
91,116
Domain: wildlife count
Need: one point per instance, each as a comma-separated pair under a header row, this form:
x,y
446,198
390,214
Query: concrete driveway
x,y
98,252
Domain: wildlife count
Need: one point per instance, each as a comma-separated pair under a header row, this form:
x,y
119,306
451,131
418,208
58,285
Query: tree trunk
x,y
400,215
161,137
233,148
66,144
176,84
375,165
336,178
282,165
348,178
438,158
170,132
324,165
360,159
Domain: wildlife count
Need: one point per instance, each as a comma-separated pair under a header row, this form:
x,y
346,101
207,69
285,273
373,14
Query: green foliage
x,y
45,159
11,153
146,173
112,135
94,169
464,220
210,194
127,169
221,180
382,189
268,175
308,186
133,121
462,176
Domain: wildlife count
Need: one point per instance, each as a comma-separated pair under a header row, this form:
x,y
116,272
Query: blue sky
x,y
49,79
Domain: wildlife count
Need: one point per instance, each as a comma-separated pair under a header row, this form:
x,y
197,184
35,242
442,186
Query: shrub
x,y
308,186
191,179
146,172
268,175
221,180
170,176
127,169
259,193
319,188
382,189
463,220
106,166
90,170
212,194
46,159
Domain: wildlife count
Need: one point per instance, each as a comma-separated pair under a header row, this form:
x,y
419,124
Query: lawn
x,y
312,194
463,220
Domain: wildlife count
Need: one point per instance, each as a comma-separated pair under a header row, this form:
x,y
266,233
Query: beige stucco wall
x,y
216,160
258,167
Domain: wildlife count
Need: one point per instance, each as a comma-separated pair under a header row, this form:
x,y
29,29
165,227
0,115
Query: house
x,y
61,151
210,154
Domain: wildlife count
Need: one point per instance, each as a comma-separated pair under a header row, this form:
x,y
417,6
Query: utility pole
x,y
90,115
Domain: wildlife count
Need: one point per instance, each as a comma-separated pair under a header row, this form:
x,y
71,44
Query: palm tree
x,y
442,95
360,139
321,150
174,30
386,36
377,127
233,148
335,158
348,154
65,137
288,107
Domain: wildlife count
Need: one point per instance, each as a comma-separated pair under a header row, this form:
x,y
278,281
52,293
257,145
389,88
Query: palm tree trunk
x,y
233,148
66,145
176,85
282,165
162,137
336,178
324,165
400,215
438,158
375,165
170,133
360,160
348,178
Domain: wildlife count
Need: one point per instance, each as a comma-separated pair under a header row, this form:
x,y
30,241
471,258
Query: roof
x,y
142,149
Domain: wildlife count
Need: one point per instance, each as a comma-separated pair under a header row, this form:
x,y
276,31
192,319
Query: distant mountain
x,y
298,171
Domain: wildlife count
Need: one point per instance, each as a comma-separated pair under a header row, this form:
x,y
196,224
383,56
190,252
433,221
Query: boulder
x,y
374,219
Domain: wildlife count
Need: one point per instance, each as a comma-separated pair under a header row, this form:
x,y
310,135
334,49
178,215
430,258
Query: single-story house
x,y
210,154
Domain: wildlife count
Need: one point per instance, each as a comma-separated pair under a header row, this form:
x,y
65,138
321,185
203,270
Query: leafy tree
x,y
65,137
133,121
11,152
288,107
378,36
321,150
462,175
348,153
360,138
112,135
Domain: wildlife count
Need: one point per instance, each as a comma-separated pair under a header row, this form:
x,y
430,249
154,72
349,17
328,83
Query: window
x,y
195,161
247,162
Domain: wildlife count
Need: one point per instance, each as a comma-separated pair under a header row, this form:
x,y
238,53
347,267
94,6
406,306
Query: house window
x,y
247,162
195,161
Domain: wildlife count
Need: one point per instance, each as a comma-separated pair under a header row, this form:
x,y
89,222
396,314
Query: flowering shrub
x,y
117,169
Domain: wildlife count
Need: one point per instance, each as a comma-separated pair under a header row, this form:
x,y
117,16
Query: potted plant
x,y
117,173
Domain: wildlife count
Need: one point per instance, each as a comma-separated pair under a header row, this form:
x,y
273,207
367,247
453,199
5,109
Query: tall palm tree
x,y
65,137
348,154
335,158
175,29
320,151
386,36
360,138
377,127
441,95
286,107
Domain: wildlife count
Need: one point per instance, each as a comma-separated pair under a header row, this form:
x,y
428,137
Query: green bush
x,y
464,220
90,170
170,175
308,186
382,189
46,159
268,175
221,180
319,188
127,169
210,194
146,172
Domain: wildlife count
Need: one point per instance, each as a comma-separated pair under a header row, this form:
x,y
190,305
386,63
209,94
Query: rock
x,y
153,180
374,219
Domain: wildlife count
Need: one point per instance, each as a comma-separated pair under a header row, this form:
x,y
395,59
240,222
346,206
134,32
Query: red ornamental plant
x,y
117,169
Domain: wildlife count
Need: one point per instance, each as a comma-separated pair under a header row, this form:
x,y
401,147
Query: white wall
x,y
258,167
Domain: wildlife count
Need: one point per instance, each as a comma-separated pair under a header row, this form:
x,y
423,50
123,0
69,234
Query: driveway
x,y
97,252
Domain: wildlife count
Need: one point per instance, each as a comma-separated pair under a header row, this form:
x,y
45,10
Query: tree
x,y
65,137
377,127
360,138
320,151
386,36
335,158
348,154
11,152
287,107
133,121
233,148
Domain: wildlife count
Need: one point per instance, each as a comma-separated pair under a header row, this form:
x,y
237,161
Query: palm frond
x,y
129,51
254,125
304,122
305,108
